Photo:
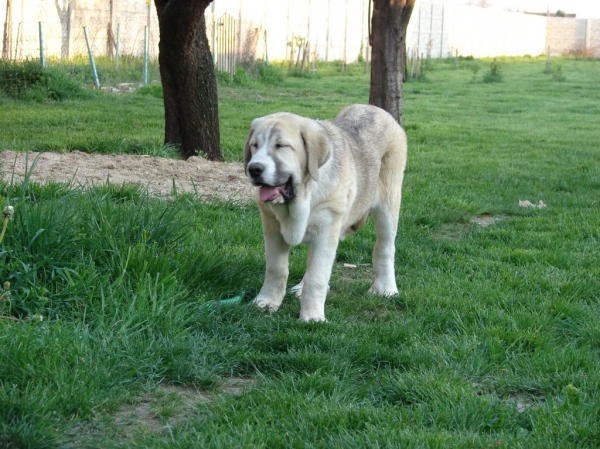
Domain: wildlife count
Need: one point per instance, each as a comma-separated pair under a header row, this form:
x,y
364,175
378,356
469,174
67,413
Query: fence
x,y
224,42
63,31
239,30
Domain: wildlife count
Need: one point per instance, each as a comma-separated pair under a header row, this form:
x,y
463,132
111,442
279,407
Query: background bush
x,y
29,81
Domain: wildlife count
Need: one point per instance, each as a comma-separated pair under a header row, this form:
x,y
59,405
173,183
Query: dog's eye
x,y
278,146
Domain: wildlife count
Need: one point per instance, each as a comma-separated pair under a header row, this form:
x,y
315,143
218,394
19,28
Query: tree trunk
x,y
388,57
188,79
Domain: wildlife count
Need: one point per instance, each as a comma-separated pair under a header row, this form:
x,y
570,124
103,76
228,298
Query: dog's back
x,y
375,127
379,150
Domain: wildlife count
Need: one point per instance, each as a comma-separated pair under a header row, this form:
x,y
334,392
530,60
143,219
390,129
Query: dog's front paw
x,y
306,318
266,304
383,289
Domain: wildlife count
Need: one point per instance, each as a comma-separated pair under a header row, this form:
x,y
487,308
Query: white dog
x,y
318,181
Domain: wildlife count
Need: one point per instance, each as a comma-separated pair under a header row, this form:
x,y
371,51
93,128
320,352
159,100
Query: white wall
x,y
475,31
472,31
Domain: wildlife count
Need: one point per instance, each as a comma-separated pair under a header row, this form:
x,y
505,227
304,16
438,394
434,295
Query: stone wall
x,y
567,35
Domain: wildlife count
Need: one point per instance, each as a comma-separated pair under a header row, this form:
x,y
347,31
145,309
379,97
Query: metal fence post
x,y
145,55
442,35
419,27
117,46
91,55
266,50
17,40
42,56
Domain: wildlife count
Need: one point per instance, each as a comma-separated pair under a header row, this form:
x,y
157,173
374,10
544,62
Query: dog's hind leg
x,y
386,226
385,215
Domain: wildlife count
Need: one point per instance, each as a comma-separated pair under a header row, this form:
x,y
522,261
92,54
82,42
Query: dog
x,y
318,181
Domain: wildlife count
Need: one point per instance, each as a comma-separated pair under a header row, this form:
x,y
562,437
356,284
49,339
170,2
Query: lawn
x,y
494,340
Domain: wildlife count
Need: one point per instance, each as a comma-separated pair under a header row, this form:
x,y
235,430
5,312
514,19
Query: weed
x,y
474,70
558,74
494,75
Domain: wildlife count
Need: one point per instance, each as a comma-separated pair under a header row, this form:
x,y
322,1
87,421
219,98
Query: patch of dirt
x,y
454,231
209,180
487,220
170,406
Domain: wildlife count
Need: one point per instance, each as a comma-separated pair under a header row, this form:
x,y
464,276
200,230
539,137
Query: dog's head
x,y
282,152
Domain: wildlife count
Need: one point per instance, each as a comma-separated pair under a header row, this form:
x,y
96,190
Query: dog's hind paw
x,y
297,289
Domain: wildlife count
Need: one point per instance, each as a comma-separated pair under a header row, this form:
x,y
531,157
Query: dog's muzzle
x,y
278,193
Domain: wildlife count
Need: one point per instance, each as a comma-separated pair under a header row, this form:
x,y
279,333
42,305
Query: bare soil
x,y
209,180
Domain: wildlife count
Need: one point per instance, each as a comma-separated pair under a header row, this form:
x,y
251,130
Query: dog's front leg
x,y
277,252
321,255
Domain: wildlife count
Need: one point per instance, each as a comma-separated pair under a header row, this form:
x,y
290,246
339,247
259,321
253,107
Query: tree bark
x,y
388,57
188,79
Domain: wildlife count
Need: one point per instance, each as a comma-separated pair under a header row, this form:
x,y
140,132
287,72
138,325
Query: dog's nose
x,y
256,169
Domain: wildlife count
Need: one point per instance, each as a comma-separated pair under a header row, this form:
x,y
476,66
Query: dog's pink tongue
x,y
268,193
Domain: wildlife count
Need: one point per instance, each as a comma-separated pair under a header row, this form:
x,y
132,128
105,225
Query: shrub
x,y
259,71
300,74
223,77
29,81
155,90
270,75
241,77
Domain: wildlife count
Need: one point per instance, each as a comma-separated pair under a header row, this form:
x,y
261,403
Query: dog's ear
x,y
316,144
247,152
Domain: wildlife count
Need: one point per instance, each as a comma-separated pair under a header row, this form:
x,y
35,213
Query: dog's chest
x,y
303,224
294,223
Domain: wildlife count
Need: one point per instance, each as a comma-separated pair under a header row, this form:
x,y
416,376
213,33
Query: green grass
x,y
494,340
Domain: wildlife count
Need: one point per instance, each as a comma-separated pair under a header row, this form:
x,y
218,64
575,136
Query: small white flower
x,y
8,212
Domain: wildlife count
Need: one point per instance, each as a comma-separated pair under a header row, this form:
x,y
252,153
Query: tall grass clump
x,y
68,251
255,72
30,82
154,90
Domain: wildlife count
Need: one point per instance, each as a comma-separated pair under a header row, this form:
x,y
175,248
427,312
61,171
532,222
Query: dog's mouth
x,y
276,194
